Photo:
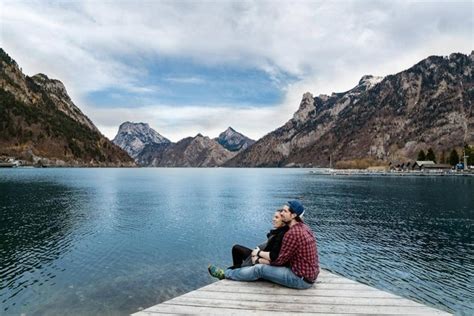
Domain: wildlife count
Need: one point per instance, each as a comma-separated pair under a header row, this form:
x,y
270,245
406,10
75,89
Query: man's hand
x,y
254,259
260,260
255,251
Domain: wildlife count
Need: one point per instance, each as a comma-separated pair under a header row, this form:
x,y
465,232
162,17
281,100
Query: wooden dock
x,y
331,295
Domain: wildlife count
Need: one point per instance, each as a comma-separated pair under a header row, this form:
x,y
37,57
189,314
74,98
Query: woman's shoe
x,y
216,272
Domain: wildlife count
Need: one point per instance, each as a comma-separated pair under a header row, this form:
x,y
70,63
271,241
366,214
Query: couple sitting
x,y
289,257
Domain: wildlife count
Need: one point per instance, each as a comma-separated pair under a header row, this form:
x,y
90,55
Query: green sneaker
x,y
216,272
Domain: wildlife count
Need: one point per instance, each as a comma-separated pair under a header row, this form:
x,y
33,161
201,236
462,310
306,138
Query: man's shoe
x,y
216,272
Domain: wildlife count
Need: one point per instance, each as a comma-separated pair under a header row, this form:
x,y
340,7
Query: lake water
x,y
111,241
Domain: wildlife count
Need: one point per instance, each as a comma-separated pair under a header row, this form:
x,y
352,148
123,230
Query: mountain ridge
x,y
40,124
197,151
381,119
149,148
427,105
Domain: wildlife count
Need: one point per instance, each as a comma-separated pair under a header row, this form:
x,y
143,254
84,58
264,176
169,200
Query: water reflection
x,y
109,241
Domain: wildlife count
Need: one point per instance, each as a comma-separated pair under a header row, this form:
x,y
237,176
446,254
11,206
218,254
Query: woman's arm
x,y
262,254
257,260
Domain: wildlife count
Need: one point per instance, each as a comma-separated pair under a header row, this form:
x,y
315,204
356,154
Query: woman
x,y
242,256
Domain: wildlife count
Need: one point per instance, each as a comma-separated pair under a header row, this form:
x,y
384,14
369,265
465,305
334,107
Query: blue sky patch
x,y
181,82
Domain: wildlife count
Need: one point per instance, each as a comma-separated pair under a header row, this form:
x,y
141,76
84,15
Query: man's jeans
x,y
280,275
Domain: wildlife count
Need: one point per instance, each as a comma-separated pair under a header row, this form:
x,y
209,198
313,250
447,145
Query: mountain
x,y
40,124
379,120
133,137
198,151
233,140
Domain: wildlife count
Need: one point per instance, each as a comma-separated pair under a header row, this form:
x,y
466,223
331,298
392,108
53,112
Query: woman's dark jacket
x,y
275,239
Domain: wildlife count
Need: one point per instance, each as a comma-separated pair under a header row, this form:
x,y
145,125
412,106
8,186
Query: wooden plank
x,y
267,287
336,281
217,311
315,300
321,286
308,308
283,291
273,285
331,295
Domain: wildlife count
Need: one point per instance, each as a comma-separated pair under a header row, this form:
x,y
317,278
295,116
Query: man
x,y
298,251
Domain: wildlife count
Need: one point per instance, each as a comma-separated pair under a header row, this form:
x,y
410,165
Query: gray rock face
x,y
368,81
198,151
233,140
133,137
57,92
381,119
306,108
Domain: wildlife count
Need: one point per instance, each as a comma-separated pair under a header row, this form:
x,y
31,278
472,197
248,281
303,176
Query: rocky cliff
x,y
232,140
133,137
379,120
40,124
198,151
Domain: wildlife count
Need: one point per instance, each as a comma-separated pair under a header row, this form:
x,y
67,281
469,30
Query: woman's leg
x,y
239,254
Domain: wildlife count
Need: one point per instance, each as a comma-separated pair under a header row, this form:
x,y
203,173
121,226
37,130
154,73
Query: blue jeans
x,y
280,275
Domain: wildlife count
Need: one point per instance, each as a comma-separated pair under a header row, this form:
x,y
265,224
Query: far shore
x,y
366,172
311,170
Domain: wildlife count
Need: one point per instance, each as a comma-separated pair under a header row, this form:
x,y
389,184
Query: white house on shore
x,y
430,165
418,165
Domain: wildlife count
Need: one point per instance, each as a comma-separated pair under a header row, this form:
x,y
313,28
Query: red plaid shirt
x,y
300,251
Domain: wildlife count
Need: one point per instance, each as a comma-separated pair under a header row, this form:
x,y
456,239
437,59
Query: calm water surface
x,y
111,241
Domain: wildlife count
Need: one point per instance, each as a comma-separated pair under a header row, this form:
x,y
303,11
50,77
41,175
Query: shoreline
x,y
312,170
361,172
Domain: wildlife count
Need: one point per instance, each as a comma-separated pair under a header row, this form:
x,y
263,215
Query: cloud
x,y
186,80
177,123
327,46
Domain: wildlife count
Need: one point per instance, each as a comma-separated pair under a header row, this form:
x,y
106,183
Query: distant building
x,y
400,165
421,164
408,165
437,166
418,165
395,165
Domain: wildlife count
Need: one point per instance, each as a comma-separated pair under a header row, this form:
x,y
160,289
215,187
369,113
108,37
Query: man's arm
x,y
262,254
259,260
288,248
265,255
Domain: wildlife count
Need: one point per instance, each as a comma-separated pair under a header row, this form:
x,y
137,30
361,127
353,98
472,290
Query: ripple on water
x,y
109,241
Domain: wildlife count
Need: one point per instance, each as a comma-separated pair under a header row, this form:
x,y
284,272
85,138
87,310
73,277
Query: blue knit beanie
x,y
296,207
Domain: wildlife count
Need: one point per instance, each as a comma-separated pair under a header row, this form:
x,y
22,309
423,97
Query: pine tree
x,y
430,155
453,158
421,155
443,157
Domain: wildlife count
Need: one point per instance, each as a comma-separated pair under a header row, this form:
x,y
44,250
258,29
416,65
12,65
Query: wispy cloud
x,y
141,89
169,120
324,46
186,80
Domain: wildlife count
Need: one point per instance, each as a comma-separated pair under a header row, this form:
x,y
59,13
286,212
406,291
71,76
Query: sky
x,y
189,67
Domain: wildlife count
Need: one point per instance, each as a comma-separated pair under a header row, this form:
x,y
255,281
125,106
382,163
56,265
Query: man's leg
x,y
280,275
283,276
243,274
